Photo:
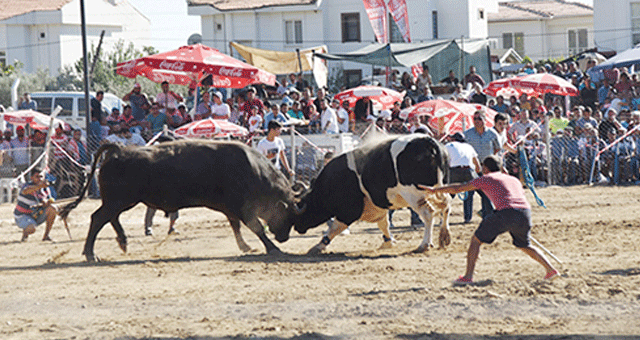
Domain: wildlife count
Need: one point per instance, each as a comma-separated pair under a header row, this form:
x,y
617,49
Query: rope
x,y
528,178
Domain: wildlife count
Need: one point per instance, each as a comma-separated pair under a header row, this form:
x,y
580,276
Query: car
x,y
73,105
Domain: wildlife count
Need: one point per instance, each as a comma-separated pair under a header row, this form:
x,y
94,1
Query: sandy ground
x,y
198,285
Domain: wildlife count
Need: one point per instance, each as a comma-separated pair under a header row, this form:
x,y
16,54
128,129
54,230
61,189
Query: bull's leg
x,y
335,228
98,219
383,225
235,226
256,226
122,238
426,214
445,236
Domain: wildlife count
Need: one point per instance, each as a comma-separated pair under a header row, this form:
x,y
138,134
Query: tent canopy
x,y
439,55
278,62
627,58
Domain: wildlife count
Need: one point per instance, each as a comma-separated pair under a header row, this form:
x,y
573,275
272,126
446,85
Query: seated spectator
x,y
500,105
220,109
203,111
274,113
407,81
114,117
132,138
156,119
314,120
115,136
295,111
254,120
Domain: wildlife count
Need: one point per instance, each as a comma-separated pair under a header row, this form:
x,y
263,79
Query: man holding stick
x,y
512,213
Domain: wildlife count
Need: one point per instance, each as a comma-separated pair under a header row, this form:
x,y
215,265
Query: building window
x,y
350,27
513,40
481,13
577,39
635,23
434,24
352,78
293,31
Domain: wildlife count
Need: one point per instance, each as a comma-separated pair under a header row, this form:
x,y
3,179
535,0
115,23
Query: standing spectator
x,y
156,119
342,115
320,96
252,101
424,79
314,120
603,91
500,106
463,167
328,118
78,148
6,167
19,150
558,121
26,103
584,120
520,127
139,103
513,214
96,104
478,97
609,124
301,83
95,133
295,111
588,94
254,120
34,206
407,81
473,77
167,99
362,111
220,109
273,148
573,71
485,142
274,113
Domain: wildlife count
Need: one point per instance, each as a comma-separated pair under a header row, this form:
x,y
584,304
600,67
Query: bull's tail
x,y
64,211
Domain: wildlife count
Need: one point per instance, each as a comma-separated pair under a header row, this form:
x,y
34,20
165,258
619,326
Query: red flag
x,y
377,13
398,9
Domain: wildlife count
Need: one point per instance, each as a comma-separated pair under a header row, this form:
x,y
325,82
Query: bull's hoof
x,y
388,244
317,249
122,242
423,248
92,258
245,248
444,240
275,251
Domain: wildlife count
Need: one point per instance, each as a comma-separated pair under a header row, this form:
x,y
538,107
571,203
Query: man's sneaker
x,y
462,281
554,274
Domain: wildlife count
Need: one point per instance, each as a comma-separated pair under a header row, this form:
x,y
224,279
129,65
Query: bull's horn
x,y
299,210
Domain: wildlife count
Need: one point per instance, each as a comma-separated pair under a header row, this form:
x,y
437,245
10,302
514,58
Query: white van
x,y
73,105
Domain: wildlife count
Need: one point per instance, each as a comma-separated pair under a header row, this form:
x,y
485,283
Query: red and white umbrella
x,y
383,96
505,87
542,83
209,128
34,119
447,116
190,64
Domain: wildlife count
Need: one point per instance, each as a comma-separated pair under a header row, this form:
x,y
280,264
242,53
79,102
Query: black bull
x,y
225,176
364,183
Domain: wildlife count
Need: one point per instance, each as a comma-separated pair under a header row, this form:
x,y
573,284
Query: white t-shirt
x,y
221,111
135,139
461,154
271,149
329,120
343,114
255,122
116,139
166,100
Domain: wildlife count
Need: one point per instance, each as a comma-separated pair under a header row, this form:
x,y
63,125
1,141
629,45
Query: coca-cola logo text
x,y
173,66
230,72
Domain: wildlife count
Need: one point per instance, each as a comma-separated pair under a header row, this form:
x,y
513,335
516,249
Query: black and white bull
x,y
365,183
225,176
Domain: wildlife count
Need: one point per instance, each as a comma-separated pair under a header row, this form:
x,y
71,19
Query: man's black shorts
x,y
516,221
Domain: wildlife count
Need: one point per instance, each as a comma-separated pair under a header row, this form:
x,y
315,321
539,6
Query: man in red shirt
x,y
512,213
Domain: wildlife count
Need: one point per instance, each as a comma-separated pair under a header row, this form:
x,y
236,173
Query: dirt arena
x,y
197,285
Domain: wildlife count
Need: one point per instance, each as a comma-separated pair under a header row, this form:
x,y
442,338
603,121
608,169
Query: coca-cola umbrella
x,y
383,96
447,116
190,64
34,119
541,83
505,87
210,128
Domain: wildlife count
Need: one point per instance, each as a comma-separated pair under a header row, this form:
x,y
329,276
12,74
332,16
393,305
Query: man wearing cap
x,y
273,148
168,99
219,109
138,101
34,206
513,214
19,150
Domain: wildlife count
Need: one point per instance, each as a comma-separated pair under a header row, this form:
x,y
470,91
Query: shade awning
x,y
278,62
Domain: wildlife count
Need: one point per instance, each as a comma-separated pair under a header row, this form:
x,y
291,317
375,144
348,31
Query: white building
x,y
341,25
616,24
542,29
46,34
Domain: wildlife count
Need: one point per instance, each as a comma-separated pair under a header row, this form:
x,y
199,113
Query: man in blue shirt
x,y
486,143
156,119
26,103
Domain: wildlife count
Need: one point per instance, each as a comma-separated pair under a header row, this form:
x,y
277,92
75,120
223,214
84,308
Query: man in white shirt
x,y
219,109
273,148
342,115
521,126
328,120
463,166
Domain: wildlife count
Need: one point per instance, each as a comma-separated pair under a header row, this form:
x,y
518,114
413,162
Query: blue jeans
x,y
487,207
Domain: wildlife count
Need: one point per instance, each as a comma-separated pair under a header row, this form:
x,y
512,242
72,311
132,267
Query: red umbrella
x,y
190,64
542,83
447,116
383,96
34,119
209,128
505,87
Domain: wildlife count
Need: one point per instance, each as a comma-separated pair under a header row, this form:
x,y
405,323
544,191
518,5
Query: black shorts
x,y
516,221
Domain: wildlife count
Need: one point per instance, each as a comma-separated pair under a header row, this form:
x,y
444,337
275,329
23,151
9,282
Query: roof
x,y
12,8
238,5
539,9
